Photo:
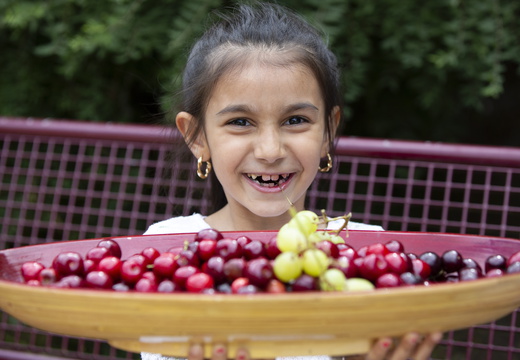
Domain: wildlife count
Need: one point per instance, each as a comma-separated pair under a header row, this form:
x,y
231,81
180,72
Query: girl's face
x,y
265,129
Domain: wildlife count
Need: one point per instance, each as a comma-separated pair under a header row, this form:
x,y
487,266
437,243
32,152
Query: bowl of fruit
x,y
277,292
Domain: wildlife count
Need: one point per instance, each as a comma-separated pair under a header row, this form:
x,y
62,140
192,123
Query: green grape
x,y
315,262
319,236
336,239
287,266
305,220
333,280
358,284
291,239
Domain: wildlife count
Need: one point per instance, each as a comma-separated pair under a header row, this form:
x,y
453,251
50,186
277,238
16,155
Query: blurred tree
x,y
444,70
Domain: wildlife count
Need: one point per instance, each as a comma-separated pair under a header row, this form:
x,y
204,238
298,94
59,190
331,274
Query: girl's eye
x,y
239,122
295,120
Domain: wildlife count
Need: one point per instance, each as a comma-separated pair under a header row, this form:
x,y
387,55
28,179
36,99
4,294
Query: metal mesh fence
x,y
64,180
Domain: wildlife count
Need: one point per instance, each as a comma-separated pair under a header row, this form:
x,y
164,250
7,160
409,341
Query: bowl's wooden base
x,y
259,348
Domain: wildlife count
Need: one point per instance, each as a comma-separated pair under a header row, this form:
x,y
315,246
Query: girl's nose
x,y
269,146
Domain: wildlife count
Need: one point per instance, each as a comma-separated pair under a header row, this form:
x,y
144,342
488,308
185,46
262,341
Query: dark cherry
x,y
452,261
212,234
271,249
228,249
409,278
253,249
471,263
467,274
259,272
513,268
495,262
513,258
248,289
224,288
187,257
112,245
495,273
234,268
305,283
434,260
215,268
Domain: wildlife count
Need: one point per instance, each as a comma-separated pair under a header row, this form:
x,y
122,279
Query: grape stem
x,y
346,219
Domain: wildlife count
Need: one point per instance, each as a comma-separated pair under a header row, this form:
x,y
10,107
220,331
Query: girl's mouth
x,y
275,180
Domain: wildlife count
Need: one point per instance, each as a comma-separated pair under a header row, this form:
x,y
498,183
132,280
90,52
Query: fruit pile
x,y
299,257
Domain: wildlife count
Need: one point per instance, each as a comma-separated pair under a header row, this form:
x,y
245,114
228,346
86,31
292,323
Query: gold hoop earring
x,y
329,165
204,174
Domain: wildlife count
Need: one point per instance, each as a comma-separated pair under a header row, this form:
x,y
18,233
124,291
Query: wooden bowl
x,y
271,325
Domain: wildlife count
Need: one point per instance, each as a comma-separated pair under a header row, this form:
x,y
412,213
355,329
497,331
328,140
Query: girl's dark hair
x,y
256,30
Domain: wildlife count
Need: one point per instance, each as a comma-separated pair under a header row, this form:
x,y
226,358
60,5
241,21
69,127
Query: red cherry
x,y
133,268
346,265
373,266
275,286
206,249
377,249
165,265
389,280
71,282
394,246
97,253
228,249
495,273
146,284
89,265
349,252
187,257
112,266
398,263
513,258
167,286
48,276
98,280
182,274
112,245
150,254
421,268
243,240
271,248
305,283
68,263
329,248
199,282
31,270
239,283
214,267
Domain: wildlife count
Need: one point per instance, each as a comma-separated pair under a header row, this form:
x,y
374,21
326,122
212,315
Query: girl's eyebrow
x,y
246,109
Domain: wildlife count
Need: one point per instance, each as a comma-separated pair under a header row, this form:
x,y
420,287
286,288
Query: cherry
x,y
275,286
199,282
215,268
228,249
348,251
513,258
224,288
346,265
373,266
409,278
471,263
167,286
248,289
394,246
253,249
150,254
146,284
68,263
271,248
238,283
467,274
71,282
48,276
187,257
97,253
389,280
305,283
133,268
122,287
421,268
259,272
329,248
398,263
495,262
182,274
209,234
112,245
243,240
434,260
98,280
495,273
377,249
234,268
206,249
31,270
452,261
513,268
165,265
89,265
112,266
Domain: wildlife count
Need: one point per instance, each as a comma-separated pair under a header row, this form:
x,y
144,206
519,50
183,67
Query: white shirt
x,y
194,223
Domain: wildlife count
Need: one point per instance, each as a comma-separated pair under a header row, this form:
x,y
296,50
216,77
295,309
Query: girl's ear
x,y
186,123
335,118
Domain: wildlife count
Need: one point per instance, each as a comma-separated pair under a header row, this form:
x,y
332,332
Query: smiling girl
x,y
260,108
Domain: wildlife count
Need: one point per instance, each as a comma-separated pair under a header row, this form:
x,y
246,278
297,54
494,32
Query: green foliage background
x,y
441,70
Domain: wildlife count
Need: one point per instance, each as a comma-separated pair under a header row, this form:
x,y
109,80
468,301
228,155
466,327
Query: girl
x,y
260,109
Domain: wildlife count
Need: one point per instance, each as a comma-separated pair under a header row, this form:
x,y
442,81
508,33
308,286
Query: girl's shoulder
x,y
178,225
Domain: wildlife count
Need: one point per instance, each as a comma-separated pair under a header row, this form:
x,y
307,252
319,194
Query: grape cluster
x,y
299,257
